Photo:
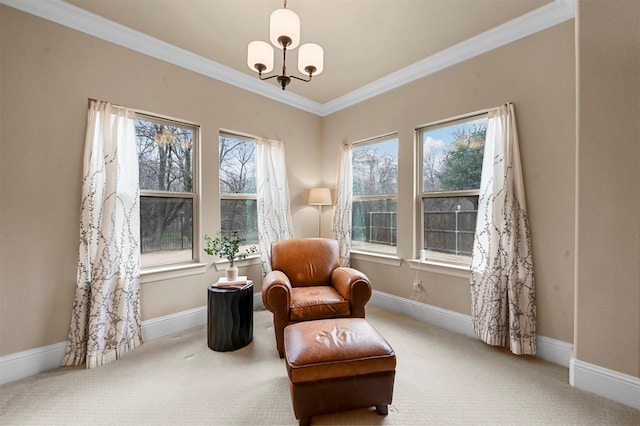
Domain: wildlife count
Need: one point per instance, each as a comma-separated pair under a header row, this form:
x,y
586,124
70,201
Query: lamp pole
x,y
319,220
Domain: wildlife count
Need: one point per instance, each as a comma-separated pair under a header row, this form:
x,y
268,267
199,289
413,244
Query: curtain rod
x,y
460,117
152,115
247,135
113,105
374,139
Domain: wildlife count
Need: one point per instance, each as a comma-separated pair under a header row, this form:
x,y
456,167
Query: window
x,y
451,168
375,194
238,200
168,193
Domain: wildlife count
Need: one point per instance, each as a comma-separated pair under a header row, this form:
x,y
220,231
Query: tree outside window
x,y
238,200
375,193
452,155
167,190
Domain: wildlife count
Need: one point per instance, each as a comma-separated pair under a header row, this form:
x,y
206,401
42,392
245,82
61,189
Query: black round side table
x,y
230,318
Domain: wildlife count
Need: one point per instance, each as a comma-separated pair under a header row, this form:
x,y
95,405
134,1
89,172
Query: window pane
x,y
450,224
375,168
166,230
164,156
375,173
452,156
237,166
240,216
374,225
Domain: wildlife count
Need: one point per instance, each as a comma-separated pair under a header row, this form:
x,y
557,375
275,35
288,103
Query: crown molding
x,y
79,19
537,20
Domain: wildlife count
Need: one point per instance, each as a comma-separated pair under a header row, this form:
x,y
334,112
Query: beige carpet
x,y
442,378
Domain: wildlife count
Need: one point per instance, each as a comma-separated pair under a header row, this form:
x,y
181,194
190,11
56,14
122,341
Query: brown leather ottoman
x,y
338,365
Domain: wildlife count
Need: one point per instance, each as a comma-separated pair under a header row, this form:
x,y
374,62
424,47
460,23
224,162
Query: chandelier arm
x,y
267,78
301,79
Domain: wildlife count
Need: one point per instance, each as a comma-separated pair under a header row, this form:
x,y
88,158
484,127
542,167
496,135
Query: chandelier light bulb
x,y
310,59
260,53
284,24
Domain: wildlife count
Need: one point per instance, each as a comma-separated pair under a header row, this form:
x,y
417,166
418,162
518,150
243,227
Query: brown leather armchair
x,y
308,283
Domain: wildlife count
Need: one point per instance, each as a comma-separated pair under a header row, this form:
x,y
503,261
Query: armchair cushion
x,y
318,302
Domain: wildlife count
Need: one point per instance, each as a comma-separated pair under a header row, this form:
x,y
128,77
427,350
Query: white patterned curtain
x,y
274,211
341,223
502,285
105,322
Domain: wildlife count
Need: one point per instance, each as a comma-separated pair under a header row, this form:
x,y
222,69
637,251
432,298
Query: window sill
x,y
384,259
461,271
169,272
221,265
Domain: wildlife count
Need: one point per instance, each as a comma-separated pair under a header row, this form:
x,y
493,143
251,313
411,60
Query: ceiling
x,y
366,42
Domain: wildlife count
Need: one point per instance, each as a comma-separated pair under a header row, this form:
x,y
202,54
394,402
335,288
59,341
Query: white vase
x,y
232,273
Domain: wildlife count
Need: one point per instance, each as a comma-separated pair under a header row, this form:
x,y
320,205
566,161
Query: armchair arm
x,y
354,286
276,294
276,297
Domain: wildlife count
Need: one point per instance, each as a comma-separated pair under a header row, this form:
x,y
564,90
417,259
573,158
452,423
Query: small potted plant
x,y
228,247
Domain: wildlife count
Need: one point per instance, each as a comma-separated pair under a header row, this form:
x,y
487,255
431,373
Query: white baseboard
x,y
33,361
173,323
601,381
607,383
257,301
444,318
591,378
552,350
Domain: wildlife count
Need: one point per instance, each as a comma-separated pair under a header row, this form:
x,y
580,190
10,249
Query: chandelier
x,y
285,34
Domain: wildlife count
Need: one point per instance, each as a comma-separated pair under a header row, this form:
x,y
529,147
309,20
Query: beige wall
x,y
537,75
47,73
608,222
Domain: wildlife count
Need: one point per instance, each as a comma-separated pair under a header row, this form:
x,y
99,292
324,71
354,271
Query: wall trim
x,y
81,20
37,360
71,16
444,318
173,323
600,381
552,350
607,383
540,19
582,375
33,361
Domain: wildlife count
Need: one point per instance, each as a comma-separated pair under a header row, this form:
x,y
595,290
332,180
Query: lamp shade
x,y
260,52
310,55
320,197
284,22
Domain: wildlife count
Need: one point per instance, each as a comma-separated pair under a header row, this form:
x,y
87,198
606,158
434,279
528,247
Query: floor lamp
x,y
320,197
